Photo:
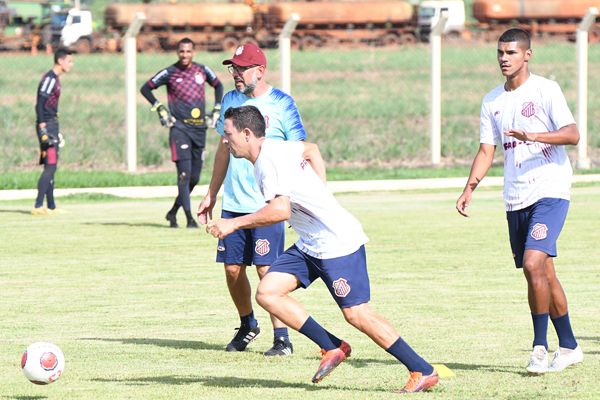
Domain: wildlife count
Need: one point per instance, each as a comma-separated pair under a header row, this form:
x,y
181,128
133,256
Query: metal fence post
x,y
435,39
583,161
284,52
130,52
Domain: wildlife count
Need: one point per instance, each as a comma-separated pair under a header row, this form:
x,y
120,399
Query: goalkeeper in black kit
x,y
186,119
49,137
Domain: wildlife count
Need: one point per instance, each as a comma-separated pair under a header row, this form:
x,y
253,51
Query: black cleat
x,y
172,220
242,338
192,224
281,347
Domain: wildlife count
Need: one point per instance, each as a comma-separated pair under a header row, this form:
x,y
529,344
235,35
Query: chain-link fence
x,y
366,106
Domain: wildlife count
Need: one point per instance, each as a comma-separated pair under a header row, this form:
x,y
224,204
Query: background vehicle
x,y
430,12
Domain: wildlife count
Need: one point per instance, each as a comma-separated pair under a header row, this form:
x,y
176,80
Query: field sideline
x,y
141,310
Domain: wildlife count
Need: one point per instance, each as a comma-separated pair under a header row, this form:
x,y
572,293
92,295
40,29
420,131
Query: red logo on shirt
x,y
539,231
262,247
528,109
341,287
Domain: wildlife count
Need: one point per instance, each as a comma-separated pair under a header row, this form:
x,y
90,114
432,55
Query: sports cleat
x,y
281,347
538,364
172,220
242,338
192,224
419,382
331,359
564,357
39,211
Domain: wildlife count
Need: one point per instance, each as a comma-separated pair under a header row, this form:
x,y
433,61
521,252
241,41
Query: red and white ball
x,y
43,363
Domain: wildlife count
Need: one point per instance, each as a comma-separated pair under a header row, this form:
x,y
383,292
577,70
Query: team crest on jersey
x,y
539,231
262,247
528,109
199,78
341,288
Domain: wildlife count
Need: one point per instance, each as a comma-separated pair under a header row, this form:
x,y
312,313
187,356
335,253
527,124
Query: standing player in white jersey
x,y
260,246
529,117
291,176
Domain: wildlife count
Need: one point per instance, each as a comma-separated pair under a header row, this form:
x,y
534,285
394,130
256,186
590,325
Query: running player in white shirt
x,y
528,116
291,176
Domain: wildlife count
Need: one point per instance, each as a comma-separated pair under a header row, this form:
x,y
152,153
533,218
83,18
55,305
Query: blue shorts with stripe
x,y
346,277
258,246
536,227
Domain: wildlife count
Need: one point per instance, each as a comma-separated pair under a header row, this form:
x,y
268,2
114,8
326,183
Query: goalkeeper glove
x,y
45,141
215,114
166,119
61,140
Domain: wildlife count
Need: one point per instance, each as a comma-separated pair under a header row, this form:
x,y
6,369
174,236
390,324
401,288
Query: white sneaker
x,y
538,364
564,357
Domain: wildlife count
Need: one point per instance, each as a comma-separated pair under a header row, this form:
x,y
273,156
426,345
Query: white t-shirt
x,y
532,170
325,228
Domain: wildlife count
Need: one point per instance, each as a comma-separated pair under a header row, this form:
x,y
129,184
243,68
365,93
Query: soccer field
x,y
141,311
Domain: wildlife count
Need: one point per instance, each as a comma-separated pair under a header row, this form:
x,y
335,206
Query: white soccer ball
x,y
43,363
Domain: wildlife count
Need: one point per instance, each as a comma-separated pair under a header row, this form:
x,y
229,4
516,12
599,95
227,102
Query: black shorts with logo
x,y
186,143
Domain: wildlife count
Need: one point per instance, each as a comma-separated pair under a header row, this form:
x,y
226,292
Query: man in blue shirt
x,y
257,246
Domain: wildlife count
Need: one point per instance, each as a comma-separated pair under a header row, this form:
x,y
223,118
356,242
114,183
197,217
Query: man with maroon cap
x,y
258,246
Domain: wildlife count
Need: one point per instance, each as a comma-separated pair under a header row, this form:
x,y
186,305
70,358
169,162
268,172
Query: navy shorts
x,y
258,246
346,277
186,143
536,227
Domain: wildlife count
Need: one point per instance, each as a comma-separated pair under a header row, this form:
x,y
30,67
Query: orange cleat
x,y
419,382
330,360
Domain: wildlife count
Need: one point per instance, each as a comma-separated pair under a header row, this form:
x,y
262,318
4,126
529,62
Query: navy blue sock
x,y
407,356
566,338
281,333
248,321
540,329
315,332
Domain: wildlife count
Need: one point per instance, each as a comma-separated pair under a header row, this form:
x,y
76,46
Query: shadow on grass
x,y
26,397
232,382
131,224
28,212
590,338
174,344
490,368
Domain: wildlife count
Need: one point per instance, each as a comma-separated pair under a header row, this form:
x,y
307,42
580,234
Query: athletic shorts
x,y
255,246
49,156
186,143
536,227
346,277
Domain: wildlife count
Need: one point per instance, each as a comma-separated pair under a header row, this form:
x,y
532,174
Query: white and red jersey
x,y
532,170
325,228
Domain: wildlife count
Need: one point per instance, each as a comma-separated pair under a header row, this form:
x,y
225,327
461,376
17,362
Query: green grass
x,y
365,107
141,311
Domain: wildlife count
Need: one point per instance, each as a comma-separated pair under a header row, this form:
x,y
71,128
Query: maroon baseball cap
x,y
246,55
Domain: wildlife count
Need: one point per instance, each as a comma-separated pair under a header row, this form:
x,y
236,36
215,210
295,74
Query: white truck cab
x,y
74,27
430,12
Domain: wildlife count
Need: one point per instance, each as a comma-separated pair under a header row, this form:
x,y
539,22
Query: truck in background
x,y
25,25
430,12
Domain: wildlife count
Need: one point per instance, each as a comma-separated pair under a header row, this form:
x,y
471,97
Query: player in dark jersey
x,y
46,112
186,119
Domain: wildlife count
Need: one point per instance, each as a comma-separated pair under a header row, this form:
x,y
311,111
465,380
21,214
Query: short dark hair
x,y
247,117
516,35
61,53
185,40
